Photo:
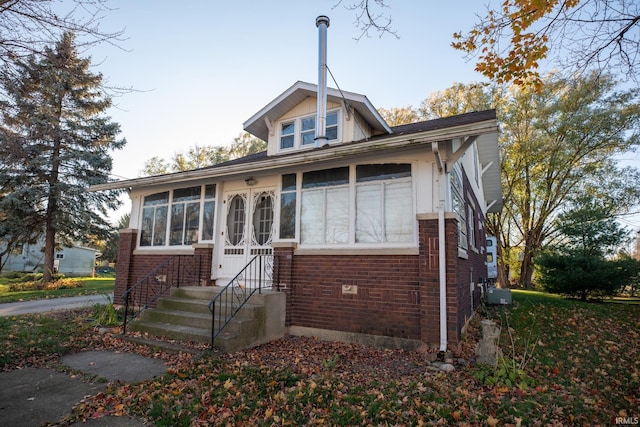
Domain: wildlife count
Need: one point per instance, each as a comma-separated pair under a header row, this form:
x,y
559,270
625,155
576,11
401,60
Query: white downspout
x,y
442,256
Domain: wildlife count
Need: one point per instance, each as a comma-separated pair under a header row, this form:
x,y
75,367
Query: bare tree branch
x,y
367,19
26,26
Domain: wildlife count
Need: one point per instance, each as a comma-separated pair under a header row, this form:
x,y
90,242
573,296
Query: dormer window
x,y
287,136
301,132
308,130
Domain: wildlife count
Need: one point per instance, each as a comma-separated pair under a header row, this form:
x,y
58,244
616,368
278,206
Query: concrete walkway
x,y
30,397
33,396
45,305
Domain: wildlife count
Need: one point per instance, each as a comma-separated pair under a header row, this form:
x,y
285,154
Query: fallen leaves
x,y
585,377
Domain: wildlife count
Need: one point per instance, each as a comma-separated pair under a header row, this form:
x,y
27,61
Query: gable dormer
x,y
288,122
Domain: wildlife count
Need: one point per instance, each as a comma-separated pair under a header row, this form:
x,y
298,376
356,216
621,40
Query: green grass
x,y
90,286
587,353
35,337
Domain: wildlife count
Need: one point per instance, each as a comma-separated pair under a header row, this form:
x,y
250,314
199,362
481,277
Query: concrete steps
x,y
185,316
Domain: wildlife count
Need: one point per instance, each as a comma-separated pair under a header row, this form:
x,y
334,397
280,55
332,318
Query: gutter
x,y
308,157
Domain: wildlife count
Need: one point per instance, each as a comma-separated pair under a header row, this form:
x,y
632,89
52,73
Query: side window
x,y
288,197
457,202
208,212
472,227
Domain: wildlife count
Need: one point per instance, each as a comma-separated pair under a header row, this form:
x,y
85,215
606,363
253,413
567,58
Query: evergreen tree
x,y
54,143
581,264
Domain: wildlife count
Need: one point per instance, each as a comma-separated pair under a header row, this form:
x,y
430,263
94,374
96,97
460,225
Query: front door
x,y
248,229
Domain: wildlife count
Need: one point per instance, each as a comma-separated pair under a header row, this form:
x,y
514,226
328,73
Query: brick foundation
x,y
397,295
185,270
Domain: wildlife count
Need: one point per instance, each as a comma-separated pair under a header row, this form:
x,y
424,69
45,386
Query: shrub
x,y
585,276
106,314
38,285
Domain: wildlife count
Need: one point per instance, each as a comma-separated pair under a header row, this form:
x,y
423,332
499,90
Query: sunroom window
x,y
173,218
154,219
288,207
383,193
382,213
185,216
208,211
325,206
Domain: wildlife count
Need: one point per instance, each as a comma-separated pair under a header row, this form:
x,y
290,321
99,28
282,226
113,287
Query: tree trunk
x,y
531,247
49,252
526,270
52,211
503,267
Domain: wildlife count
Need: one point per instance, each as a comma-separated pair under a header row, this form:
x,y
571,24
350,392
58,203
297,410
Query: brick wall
x,y
471,269
429,267
387,301
188,270
126,245
397,295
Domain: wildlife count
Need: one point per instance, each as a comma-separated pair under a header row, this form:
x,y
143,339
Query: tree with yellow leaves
x,y
575,35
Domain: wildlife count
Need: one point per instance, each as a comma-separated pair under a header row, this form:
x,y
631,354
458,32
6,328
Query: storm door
x,y
248,229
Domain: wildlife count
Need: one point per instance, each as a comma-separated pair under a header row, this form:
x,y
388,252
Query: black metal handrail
x,y
156,284
255,276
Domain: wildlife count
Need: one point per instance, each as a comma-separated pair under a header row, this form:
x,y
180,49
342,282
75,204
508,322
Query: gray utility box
x,y
499,296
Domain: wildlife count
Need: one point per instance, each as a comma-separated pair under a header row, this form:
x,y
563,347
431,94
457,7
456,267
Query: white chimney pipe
x,y
322,22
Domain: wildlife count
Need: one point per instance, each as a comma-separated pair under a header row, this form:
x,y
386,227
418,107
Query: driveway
x,y
45,305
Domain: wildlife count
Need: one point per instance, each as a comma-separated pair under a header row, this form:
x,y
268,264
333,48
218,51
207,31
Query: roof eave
x,y
257,126
391,142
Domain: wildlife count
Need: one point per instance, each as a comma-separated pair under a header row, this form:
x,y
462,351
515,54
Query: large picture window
x,y
325,206
383,193
382,213
173,218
